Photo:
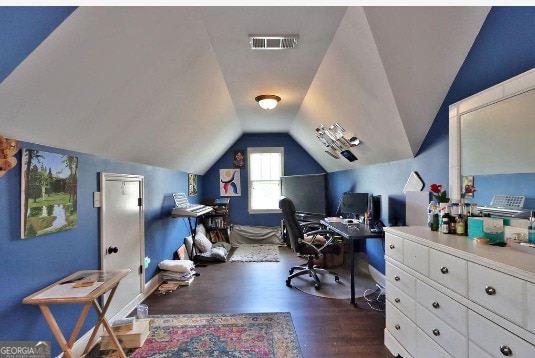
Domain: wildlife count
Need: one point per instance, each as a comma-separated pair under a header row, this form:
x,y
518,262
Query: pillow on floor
x,y
201,243
215,254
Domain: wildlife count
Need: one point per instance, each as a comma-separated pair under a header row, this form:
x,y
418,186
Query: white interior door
x,y
122,234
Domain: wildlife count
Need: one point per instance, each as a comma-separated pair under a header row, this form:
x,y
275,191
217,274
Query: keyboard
x,y
183,208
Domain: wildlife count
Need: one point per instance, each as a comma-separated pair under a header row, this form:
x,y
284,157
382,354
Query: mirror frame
x,y
504,90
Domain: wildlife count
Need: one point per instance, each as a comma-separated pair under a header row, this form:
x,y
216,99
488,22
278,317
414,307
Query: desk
x,y
352,235
63,292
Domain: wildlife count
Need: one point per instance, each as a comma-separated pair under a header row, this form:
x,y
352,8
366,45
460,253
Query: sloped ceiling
x,y
174,87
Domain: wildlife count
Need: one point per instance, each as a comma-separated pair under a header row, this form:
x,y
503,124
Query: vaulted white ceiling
x,y
174,87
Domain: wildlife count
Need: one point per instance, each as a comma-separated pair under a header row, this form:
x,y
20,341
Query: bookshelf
x,y
217,223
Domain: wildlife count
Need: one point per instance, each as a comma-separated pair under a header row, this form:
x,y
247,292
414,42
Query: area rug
x,y
255,335
255,253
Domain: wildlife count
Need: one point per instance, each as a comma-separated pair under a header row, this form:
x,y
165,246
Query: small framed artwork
x,y
229,182
238,159
192,184
468,187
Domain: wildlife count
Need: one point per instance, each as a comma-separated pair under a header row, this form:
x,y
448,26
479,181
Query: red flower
x,y
436,188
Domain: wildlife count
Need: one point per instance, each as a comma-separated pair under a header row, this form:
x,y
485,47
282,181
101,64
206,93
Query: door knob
x,y
112,250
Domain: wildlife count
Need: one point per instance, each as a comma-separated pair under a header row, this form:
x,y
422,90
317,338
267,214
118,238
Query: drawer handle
x,y
444,270
490,290
397,327
396,278
392,246
436,332
435,305
397,300
506,351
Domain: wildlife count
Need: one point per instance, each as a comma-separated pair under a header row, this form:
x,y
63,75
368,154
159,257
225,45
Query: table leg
x,y
352,273
103,321
67,349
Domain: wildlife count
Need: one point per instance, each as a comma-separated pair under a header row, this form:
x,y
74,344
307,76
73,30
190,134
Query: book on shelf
x,y
222,201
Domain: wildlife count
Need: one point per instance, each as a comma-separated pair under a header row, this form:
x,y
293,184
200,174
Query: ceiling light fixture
x,y
267,101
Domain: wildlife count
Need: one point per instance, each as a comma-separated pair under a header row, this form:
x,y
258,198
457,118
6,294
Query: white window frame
x,y
257,150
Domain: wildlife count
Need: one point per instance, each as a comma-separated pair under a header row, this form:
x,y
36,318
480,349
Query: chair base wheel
x,y
337,278
289,283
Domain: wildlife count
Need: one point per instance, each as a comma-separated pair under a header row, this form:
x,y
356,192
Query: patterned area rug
x,y
254,335
255,253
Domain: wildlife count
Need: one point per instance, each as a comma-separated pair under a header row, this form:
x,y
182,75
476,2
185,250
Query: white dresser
x,y
449,297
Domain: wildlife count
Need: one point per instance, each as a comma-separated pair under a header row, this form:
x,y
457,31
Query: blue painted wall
x,y
31,264
503,49
296,161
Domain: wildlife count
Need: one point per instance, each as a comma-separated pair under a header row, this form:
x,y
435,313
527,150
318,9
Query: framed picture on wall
x,y
229,182
238,159
49,193
192,184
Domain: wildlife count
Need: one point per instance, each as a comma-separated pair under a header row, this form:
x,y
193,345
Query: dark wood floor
x,y
325,327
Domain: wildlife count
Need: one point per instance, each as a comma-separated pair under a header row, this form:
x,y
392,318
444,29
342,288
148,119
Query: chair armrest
x,y
322,232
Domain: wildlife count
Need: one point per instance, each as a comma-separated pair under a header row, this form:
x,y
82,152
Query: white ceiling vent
x,y
280,42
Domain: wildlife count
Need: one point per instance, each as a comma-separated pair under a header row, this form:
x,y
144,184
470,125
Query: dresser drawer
x,y
495,340
475,351
401,328
445,336
444,307
401,279
450,271
426,347
500,293
402,301
416,257
530,299
394,247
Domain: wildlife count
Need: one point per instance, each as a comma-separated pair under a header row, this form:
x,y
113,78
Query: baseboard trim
x,y
80,344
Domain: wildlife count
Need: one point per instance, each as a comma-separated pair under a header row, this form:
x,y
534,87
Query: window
x,y
265,167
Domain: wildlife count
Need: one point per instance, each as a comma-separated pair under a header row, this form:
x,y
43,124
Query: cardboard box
x,y
133,338
331,260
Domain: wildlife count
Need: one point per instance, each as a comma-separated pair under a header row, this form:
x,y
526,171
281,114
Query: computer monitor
x,y
354,203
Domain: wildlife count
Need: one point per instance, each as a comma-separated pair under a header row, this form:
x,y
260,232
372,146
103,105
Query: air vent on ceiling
x,y
280,42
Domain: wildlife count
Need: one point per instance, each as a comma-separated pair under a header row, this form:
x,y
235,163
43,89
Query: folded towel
x,y
177,265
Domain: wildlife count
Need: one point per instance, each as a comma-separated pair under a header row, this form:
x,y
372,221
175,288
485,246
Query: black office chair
x,y
308,244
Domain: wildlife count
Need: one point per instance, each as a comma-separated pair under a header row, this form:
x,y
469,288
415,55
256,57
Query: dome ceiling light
x,y
267,101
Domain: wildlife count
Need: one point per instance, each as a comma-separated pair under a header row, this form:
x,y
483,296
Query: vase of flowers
x,y
441,196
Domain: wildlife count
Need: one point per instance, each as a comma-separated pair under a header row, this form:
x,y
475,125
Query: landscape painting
x,y
48,192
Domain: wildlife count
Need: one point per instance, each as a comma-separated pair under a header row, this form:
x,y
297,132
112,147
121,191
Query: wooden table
x,y
65,291
352,233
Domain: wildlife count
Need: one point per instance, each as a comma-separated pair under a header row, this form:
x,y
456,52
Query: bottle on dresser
x,y
445,221
531,228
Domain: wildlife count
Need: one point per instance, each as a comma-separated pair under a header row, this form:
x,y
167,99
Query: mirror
x,y
498,139
490,131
